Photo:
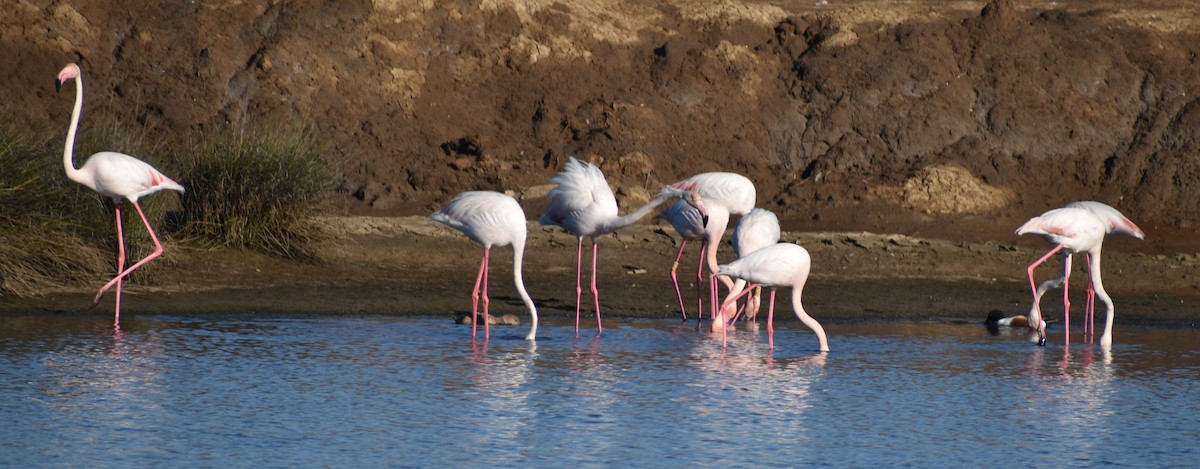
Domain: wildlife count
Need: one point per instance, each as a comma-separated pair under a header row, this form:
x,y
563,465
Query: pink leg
x,y
158,250
699,282
475,292
749,286
753,303
578,282
725,329
487,321
120,260
596,291
712,297
675,280
1089,309
771,321
1036,323
1066,299
741,309
714,282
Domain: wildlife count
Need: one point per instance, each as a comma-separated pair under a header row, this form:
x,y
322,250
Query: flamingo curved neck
x,y
633,217
518,257
68,162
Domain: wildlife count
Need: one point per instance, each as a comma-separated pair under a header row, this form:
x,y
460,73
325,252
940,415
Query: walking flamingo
x,y
688,222
724,194
116,176
584,205
755,230
1077,230
490,219
1116,224
778,265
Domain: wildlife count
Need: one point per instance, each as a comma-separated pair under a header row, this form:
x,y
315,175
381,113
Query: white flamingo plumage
x,y
779,265
756,230
1115,223
490,219
688,222
584,205
116,176
724,194
1076,230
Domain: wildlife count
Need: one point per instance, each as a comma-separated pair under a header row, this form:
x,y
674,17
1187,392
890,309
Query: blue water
x,y
342,391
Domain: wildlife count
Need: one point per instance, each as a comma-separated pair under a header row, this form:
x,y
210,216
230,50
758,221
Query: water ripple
x,y
384,391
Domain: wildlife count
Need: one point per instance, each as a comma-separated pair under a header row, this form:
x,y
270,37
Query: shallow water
x,y
355,391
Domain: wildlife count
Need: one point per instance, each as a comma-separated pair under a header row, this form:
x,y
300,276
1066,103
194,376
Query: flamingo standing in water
x,y
490,219
116,176
1116,224
755,230
725,194
584,205
1076,230
778,265
688,222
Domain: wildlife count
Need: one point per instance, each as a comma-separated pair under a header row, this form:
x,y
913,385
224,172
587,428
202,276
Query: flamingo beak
x,y
57,85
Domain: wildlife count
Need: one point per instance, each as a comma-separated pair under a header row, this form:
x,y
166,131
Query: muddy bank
x,y
409,265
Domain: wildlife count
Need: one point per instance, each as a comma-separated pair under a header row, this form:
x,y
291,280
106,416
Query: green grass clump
x,y
47,224
254,189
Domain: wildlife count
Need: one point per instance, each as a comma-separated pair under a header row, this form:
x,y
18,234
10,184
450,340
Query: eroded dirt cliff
x,y
951,119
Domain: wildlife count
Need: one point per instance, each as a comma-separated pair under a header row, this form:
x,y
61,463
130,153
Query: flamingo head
x,y
69,72
693,198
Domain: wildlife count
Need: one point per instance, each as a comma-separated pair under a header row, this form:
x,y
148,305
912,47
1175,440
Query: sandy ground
x,y
409,265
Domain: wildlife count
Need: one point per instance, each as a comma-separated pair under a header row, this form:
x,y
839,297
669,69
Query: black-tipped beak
x,y
705,220
57,85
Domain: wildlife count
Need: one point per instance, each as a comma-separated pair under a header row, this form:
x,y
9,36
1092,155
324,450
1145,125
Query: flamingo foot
x,y
96,300
719,325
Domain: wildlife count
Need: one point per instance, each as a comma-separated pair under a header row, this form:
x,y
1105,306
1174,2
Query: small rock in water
x,y
493,319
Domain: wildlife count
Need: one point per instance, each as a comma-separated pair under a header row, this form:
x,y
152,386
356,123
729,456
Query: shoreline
x,y
412,266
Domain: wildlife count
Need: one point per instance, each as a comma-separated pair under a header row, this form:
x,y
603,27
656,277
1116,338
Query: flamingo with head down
x,y
725,194
1073,229
688,222
783,265
755,230
583,204
1115,223
490,219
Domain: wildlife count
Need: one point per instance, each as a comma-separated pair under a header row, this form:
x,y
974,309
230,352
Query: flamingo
x,y
490,219
1076,230
778,265
755,230
116,176
1116,224
584,205
724,194
688,222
